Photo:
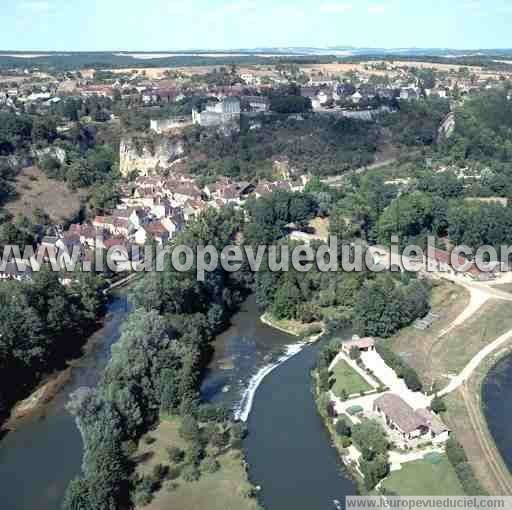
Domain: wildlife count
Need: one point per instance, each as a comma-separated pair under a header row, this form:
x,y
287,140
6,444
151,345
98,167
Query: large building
x,y
225,113
407,425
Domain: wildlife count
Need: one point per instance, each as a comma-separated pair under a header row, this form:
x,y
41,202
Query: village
x,y
353,90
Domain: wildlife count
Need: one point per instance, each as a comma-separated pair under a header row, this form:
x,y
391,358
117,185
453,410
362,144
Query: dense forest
x,y
155,368
322,145
42,324
101,60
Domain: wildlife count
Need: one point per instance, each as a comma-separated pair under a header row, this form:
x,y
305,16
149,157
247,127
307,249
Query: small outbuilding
x,y
363,344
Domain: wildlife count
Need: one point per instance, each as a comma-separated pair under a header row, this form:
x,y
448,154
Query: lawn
x,y
423,478
346,378
223,490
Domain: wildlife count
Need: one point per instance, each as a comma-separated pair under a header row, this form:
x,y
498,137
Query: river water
x,y
39,459
497,406
261,373
288,449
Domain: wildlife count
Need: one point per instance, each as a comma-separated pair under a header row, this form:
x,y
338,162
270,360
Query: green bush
x,y
342,428
190,473
346,442
176,455
210,465
438,405
401,368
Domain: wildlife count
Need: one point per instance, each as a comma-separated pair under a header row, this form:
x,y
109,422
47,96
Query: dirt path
x,y
492,457
470,368
338,179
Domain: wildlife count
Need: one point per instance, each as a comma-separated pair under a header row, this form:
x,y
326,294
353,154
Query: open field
x,y
458,347
467,421
416,347
422,478
505,287
346,378
35,191
223,490
434,357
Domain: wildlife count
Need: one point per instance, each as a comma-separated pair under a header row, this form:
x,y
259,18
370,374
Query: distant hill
x,y
304,55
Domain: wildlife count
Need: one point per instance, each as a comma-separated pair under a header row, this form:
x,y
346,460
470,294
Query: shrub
x,y
238,431
402,370
189,429
455,452
171,486
211,413
438,405
160,472
144,490
210,465
190,473
173,473
176,455
355,353
324,383
194,454
346,441
342,428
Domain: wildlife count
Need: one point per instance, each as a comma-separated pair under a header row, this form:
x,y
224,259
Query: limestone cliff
x,y
149,155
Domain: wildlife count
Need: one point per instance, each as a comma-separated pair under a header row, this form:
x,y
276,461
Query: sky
x,y
164,25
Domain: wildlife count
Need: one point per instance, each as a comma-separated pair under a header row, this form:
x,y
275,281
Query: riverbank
x,y
43,395
51,384
467,419
337,442
32,475
226,487
309,332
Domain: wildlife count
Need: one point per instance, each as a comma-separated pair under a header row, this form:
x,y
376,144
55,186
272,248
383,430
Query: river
x,y
288,449
497,406
261,373
38,460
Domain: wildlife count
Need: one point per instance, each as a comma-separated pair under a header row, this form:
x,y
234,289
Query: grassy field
x,y
223,490
422,478
434,357
35,191
416,347
505,287
472,431
348,379
464,342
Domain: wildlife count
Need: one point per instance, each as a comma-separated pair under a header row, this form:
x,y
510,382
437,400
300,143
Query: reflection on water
x,y
288,448
38,460
243,351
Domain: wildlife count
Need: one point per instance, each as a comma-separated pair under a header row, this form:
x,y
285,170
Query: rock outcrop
x,y
148,156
